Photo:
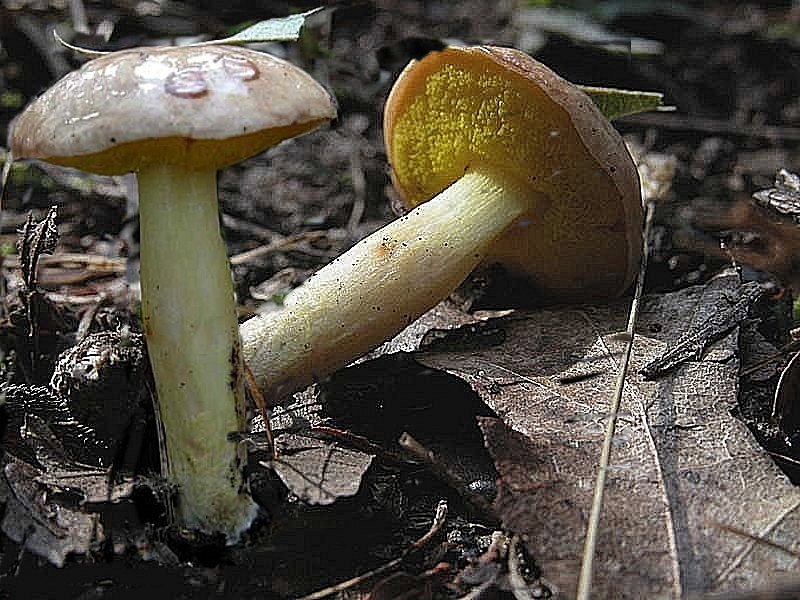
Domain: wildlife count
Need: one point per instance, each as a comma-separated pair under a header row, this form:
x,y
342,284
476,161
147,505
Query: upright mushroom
x,y
174,116
503,160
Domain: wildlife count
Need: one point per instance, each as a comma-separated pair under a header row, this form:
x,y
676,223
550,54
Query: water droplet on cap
x,y
186,83
240,68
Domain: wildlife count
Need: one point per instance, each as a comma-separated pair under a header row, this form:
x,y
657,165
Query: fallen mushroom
x,y
175,116
503,161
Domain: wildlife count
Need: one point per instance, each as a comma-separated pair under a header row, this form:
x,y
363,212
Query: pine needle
x,y
590,544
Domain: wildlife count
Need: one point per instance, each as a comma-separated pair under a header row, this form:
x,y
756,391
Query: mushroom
x,y
174,116
503,161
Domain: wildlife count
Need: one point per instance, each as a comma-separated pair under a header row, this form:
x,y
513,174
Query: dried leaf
x,y
680,461
34,240
783,197
33,518
318,472
393,397
41,428
442,318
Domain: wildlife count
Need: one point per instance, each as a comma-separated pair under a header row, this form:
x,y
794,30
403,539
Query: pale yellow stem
x,y
193,342
379,286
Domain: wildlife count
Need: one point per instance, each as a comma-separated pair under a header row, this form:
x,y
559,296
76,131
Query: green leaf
x,y
615,103
286,29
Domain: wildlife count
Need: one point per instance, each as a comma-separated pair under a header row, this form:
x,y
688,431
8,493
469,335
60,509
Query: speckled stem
x,y
193,342
379,286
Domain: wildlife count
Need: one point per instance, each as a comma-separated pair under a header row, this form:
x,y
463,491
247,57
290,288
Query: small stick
x,y
291,242
590,544
438,521
94,262
261,404
360,443
478,503
754,538
713,126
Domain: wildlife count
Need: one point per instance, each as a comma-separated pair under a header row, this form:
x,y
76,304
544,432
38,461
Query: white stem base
x,y
193,342
379,286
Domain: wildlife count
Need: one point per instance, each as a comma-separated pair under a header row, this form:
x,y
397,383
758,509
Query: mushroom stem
x,y
194,347
379,286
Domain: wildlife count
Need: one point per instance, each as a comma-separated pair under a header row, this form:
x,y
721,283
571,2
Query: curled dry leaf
x,y
32,518
784,197
680,459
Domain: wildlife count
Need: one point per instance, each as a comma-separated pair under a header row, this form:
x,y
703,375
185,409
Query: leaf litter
x,y
681,463
683,468
594,369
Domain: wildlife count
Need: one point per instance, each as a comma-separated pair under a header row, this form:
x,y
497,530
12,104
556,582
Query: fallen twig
x,y
438,521
90,261
292,242
478,503
360,443
713,126
258,399
754,538
590,544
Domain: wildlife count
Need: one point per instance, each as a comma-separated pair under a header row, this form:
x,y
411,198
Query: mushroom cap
x,y
195,106
498,109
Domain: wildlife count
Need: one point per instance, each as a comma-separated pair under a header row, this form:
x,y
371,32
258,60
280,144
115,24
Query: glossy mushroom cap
x,y
500,110
170,105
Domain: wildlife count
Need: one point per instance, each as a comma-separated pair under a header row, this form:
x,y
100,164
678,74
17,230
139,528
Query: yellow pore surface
x,y
453,118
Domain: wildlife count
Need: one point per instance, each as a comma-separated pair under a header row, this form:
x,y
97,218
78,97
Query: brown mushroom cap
x,y
498,109
125,110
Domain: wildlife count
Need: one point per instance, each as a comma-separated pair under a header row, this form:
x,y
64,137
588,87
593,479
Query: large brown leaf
x,y
681,463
